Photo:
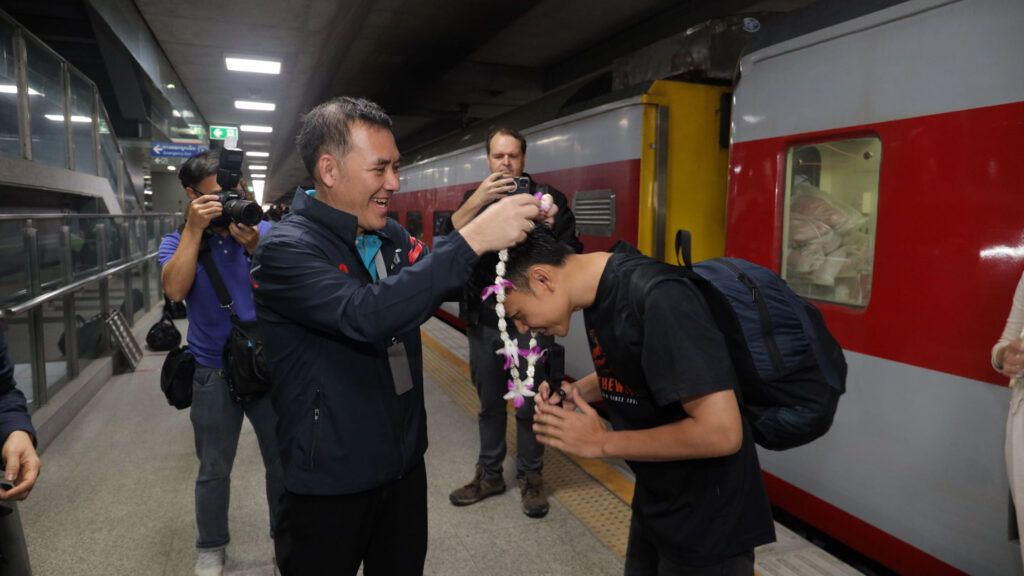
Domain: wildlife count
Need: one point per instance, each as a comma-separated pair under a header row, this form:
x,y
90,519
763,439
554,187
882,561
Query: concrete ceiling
x,y
435,65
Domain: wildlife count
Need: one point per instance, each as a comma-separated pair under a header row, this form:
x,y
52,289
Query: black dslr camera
x,y
236,207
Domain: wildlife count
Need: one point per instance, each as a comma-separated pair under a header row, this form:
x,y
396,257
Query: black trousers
x,y
384,529
644,558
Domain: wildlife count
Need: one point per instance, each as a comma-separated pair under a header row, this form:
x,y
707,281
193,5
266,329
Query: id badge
x,y
400,372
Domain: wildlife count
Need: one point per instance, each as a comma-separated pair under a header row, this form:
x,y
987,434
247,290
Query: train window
x,y
829,220
441,218
414,224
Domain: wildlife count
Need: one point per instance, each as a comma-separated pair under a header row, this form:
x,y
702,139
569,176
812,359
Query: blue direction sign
x,y
174,150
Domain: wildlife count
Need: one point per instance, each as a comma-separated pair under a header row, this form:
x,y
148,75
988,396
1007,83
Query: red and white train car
x,y
876,164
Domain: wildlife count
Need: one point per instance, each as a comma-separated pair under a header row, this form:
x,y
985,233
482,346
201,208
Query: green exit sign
x,y
223,132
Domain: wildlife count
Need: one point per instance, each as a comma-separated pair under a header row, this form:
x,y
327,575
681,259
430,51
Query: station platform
x,y
115,496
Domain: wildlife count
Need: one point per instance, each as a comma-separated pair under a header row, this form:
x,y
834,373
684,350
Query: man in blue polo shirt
x,y
216,418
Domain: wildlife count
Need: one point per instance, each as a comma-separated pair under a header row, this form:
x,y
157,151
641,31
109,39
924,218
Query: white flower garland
x,y
519,389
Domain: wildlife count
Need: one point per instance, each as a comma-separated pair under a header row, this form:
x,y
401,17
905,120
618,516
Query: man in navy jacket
x,y
340,292
21,463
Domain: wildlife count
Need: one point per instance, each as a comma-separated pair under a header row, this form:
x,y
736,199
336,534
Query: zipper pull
x,y
755,292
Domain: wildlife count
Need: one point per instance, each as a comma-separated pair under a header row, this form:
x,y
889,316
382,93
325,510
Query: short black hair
x,y
540,247
326,128
199,167
508,131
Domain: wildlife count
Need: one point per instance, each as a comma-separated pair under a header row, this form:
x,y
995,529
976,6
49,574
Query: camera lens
x,y
243,211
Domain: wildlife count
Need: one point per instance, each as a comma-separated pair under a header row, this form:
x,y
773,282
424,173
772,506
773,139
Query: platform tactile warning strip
x,y
603,512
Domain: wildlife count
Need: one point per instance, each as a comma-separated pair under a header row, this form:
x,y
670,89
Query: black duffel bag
x,y
90,337
245,367
164,334
176,377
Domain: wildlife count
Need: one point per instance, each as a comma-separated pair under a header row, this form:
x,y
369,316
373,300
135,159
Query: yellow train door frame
x,y
683,170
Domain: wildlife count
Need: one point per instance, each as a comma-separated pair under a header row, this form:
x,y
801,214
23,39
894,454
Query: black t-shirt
x,y
647,361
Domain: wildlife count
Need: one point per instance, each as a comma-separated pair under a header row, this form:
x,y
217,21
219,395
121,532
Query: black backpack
x,y
790,368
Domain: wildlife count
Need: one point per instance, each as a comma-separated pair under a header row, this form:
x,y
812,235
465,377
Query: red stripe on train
x,y
622,177
949,243
854,532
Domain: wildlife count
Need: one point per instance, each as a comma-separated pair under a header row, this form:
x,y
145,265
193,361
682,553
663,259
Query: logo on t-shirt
x,y
612,390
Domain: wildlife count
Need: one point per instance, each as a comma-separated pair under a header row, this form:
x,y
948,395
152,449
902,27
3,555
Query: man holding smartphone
x,y
506,159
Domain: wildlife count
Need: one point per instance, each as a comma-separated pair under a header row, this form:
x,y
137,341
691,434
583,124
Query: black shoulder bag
x,y
245,367
176,377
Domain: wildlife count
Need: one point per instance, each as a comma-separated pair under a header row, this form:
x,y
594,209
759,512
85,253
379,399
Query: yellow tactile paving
x,y
602,505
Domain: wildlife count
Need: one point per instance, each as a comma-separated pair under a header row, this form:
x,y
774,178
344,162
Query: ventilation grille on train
x,y
595,212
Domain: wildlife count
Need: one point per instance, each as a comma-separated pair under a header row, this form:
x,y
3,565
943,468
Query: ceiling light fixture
x,y
253,154
171,168
252,128
257,167
12,89
60,118
254,105
252,65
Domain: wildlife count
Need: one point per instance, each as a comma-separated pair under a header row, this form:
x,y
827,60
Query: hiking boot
x,y
210,562
478,489
535,501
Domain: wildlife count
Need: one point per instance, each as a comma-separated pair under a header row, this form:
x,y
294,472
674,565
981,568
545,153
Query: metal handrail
x,y
84,216
73,287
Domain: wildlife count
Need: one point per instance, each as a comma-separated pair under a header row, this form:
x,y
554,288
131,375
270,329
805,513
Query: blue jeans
x,y
217,422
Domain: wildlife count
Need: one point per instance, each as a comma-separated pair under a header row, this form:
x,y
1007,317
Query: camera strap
x,y
206,257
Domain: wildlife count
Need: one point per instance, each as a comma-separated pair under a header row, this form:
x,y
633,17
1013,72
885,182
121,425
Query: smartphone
x,y
556,366
522,185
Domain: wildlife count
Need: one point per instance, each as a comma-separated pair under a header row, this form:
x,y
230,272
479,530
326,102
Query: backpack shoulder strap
x,y
645,277
683,249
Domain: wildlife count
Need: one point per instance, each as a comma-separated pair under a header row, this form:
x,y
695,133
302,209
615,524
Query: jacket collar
x,y
337,222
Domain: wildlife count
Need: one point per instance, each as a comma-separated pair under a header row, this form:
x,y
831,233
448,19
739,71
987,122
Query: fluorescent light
x,y
252,65
170,86
251,128
171,168
258,154
257,167
60,118
12,89
254,105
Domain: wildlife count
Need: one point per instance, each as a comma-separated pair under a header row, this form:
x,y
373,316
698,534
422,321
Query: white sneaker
x,y
210,562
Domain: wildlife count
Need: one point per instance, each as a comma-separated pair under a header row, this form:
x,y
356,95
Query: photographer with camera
x,y
506,158
219,228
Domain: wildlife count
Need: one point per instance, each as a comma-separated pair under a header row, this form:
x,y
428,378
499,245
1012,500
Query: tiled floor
x,y
116,498
116,494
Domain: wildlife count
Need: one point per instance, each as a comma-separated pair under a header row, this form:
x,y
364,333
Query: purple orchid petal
x,y
536,352
495,288
518,401
511,385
